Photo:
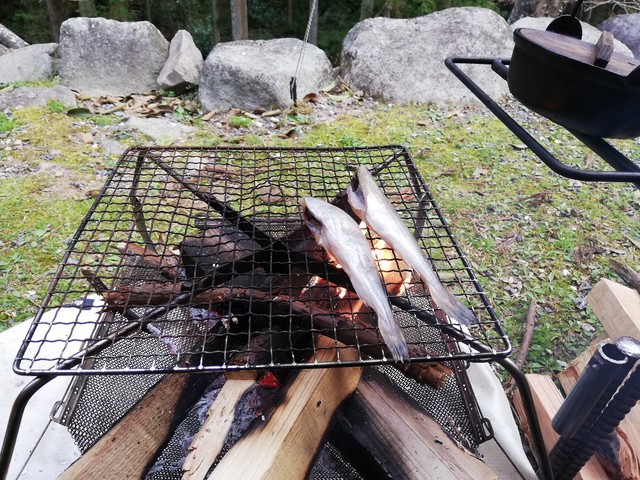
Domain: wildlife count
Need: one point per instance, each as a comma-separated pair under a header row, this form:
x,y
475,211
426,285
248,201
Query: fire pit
x,y
205,266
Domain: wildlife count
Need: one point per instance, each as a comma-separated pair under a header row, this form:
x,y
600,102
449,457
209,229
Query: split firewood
x,y
208,443
385,433
129,446
285,445
167,264
434,374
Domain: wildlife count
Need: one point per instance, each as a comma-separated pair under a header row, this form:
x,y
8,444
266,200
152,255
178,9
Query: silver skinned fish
x,y
370,204
340,236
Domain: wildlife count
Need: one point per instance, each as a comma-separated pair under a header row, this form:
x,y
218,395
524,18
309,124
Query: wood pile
x,y
618,309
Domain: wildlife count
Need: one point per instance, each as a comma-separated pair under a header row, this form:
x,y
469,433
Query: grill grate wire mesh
x,y
247,200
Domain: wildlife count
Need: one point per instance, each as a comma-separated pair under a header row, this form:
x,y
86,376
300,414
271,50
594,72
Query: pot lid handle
x,y
604,50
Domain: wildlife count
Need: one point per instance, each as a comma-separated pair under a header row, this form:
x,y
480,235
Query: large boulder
x,y
107,57
589,33
402,60
28,96
625,28
248,74
32,63
184,65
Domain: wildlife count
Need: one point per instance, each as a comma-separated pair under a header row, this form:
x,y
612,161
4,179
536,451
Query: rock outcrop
x,y
402,60
107,57
184,65
625,28
28,64
28,96
249,74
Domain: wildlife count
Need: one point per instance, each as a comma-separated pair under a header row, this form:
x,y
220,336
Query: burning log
x,y
167,264
285,445
384,433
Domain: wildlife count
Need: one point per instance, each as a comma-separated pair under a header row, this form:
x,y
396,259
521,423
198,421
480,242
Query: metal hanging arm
x,y
293,83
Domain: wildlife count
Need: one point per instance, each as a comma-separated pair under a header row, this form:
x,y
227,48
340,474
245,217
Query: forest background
x,y
213,21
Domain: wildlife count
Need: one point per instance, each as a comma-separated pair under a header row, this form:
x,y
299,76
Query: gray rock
x,y
4,50
255,73
402,60
10,39
184,65
107,57
32,63
28,96
589,33
160,129
625,28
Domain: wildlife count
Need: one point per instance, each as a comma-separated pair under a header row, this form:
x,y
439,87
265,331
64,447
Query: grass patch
x,y
33,233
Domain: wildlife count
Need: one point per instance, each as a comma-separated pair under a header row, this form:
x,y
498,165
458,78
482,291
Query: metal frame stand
x,y
626,169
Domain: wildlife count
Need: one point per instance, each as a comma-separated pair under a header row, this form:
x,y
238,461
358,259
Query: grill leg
x,y
15,417
530,410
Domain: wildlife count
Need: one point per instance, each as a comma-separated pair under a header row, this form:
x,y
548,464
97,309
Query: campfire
x,y
205,266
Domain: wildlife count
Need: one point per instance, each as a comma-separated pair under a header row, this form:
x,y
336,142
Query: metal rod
x,y
615,411
522,384
541,152
15,417
596,386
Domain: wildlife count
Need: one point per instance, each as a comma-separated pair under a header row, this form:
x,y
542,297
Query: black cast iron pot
x,y
555,76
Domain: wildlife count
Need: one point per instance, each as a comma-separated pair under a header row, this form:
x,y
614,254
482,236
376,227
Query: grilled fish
x,y
340,236
370,204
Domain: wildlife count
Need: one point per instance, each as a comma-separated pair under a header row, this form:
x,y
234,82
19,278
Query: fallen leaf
x,y
293,133
272,113
208,116
79,112
311,98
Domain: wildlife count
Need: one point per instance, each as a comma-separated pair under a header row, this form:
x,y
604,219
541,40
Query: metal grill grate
x,y
204,263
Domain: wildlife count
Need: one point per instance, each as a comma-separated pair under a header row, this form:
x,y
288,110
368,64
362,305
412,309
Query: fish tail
x,y
456,310
394,339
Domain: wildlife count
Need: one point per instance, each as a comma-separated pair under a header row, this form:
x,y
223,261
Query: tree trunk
x,y
87,8
289,12
57,10
313,27
147,9
10,39
366,9
215,11
239,21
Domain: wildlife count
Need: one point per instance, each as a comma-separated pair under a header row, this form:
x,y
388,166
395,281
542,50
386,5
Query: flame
x,y
395,273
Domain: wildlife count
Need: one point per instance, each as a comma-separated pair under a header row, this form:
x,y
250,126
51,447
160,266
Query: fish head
x,y
356,192
309,205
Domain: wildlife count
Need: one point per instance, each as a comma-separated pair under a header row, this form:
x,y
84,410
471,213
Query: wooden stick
x,y
167,264
525,343
626,273
285,445
346,330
